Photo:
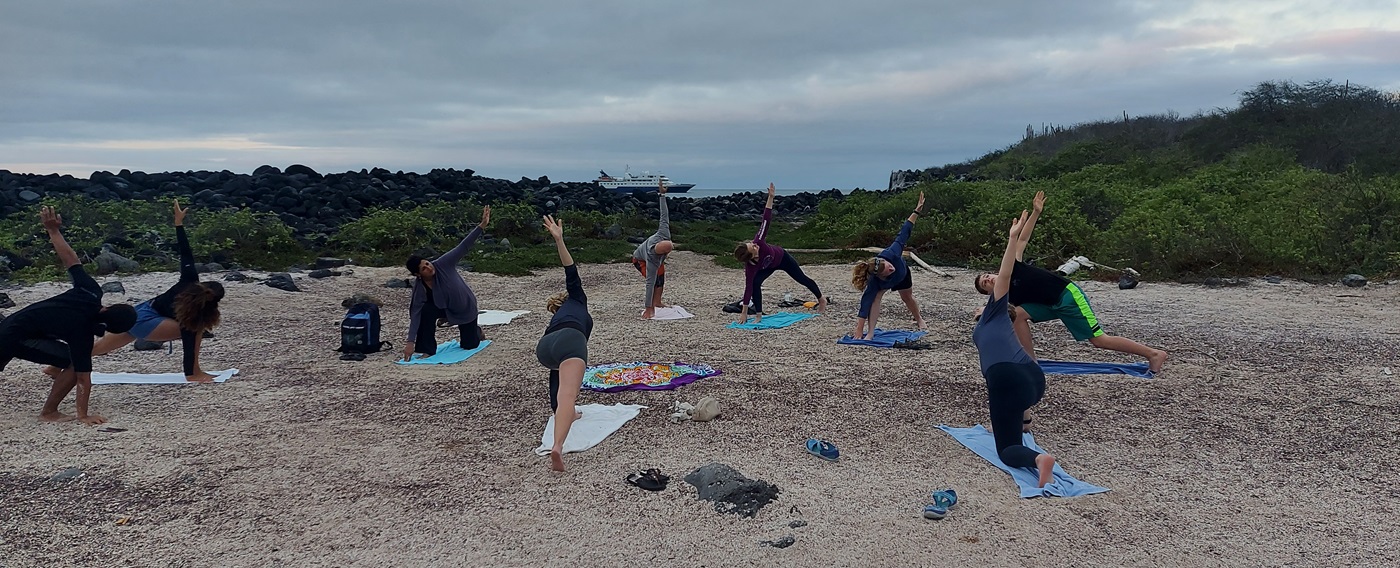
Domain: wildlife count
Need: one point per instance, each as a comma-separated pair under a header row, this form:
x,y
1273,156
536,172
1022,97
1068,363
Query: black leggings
x,y
788,265
1011,389
556,347
470,333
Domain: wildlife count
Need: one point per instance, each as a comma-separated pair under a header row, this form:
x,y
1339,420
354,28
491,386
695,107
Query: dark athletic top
x,y
894,255
769,256
995,338
164,304
574,311
1035,285
70,317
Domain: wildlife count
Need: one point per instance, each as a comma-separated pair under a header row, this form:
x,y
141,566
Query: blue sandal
x,y
822,449
942,501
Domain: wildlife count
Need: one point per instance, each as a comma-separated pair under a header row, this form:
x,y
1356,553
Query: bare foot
x,y
201,377
578,415
1046,464
1157,361
920,324
821,304
93,420
556,460
56,416
1026,421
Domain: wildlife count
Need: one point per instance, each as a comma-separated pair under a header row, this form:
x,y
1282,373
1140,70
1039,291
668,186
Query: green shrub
x,y
241,236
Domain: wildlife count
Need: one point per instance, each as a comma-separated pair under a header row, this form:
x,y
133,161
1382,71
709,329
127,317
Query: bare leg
x,y
1045,463
1022,325
1156,358
62,385
908,296
656,297
570,380
106,344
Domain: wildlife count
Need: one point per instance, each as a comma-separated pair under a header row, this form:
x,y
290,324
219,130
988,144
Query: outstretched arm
x,y
771,192
450,258
187,271
572,282
1009,258
1037,205
663,227
53,224
762,235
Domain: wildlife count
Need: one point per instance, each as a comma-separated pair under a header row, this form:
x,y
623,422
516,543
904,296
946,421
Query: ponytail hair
x,y
861,272
197,307
742,253
555,302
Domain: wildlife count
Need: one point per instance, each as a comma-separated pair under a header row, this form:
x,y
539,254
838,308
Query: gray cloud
x,y
723,94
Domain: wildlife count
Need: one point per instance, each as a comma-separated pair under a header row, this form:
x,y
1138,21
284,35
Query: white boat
x,y
645,181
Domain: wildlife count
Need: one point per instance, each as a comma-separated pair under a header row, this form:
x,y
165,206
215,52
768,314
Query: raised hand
x,y
920,206
51,220
485,217
1016,225
661,186
1039,202
179,214
555,228
771,190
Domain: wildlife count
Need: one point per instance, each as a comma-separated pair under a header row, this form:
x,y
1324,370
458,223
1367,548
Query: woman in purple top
x,y
887,271
761,260
440,292
1015,382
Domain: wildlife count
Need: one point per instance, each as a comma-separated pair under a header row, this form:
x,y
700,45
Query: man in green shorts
x,y
1042,295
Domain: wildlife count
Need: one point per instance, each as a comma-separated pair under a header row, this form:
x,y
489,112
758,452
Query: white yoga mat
x,y
598,421
498,317
155,379
672,313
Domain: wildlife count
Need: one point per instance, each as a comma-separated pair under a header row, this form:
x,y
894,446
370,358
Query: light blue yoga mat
x,y
883,337
1079,368
775,321
981,442
448,353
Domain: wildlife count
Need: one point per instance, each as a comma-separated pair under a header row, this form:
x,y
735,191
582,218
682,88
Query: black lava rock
x,y
143,345
1353,281
730,491
398,283
5,301
235,276
113,288
282,281
323,273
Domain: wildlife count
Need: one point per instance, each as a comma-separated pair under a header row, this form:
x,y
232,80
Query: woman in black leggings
x,y
564,348
1015,381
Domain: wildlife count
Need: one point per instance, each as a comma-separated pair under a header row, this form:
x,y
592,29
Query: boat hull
x,y
627,188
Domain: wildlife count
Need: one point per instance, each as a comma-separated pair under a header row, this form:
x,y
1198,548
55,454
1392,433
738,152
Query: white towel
x,y
498,317
598,421
672,313
155,379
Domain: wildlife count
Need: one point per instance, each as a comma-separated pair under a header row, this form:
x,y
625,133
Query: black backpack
x,y
359,331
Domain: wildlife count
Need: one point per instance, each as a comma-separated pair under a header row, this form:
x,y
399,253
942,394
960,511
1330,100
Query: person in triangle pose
x,y
761,260
886,271
439,292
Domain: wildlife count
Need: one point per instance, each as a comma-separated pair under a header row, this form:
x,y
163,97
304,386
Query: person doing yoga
x,y
1015,381
564,348
650,257
59,331
761,260
886,271
1042,295
440,293
184,312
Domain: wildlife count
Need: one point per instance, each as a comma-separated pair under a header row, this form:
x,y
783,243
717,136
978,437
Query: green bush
x,y
254,240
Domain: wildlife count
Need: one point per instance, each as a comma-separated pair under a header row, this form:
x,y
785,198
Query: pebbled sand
x,y
1270,440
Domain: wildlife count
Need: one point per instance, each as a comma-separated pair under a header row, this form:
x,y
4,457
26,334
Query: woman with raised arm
x,y
761,260
564,348
184,312
886,271
1015,381
650,256
439,292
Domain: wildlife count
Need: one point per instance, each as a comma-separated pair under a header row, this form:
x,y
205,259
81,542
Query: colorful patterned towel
x,y
641,375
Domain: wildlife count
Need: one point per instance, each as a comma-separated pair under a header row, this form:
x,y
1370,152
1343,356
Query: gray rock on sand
x,y
282,281
323,273
235,276
67,475
109,262
1353,281
113,288
730,491
5,301
360,298
143,345
784,542
398,283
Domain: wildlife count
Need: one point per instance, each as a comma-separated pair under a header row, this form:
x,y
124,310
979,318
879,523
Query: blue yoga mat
x,y
981,442
884,338
447,354
775,321
1079,368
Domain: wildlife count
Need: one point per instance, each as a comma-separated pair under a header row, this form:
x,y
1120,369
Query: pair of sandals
x,y
942,501
649,479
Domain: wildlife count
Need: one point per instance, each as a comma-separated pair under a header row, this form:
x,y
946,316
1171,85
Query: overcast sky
x,y
723,94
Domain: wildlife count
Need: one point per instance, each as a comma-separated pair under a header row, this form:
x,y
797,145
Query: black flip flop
x,y
650,480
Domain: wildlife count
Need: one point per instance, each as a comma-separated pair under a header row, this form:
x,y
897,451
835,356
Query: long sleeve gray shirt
x,y
647,250
450,292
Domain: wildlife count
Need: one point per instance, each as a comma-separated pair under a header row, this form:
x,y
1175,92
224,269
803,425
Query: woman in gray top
x,y
1015,382
650,256
440,292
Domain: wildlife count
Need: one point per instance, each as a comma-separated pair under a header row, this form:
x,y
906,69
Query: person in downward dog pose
x,y
59,331
440,293
886,271
761,260
184,312
1041,295
564,348
650,257
1015,381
